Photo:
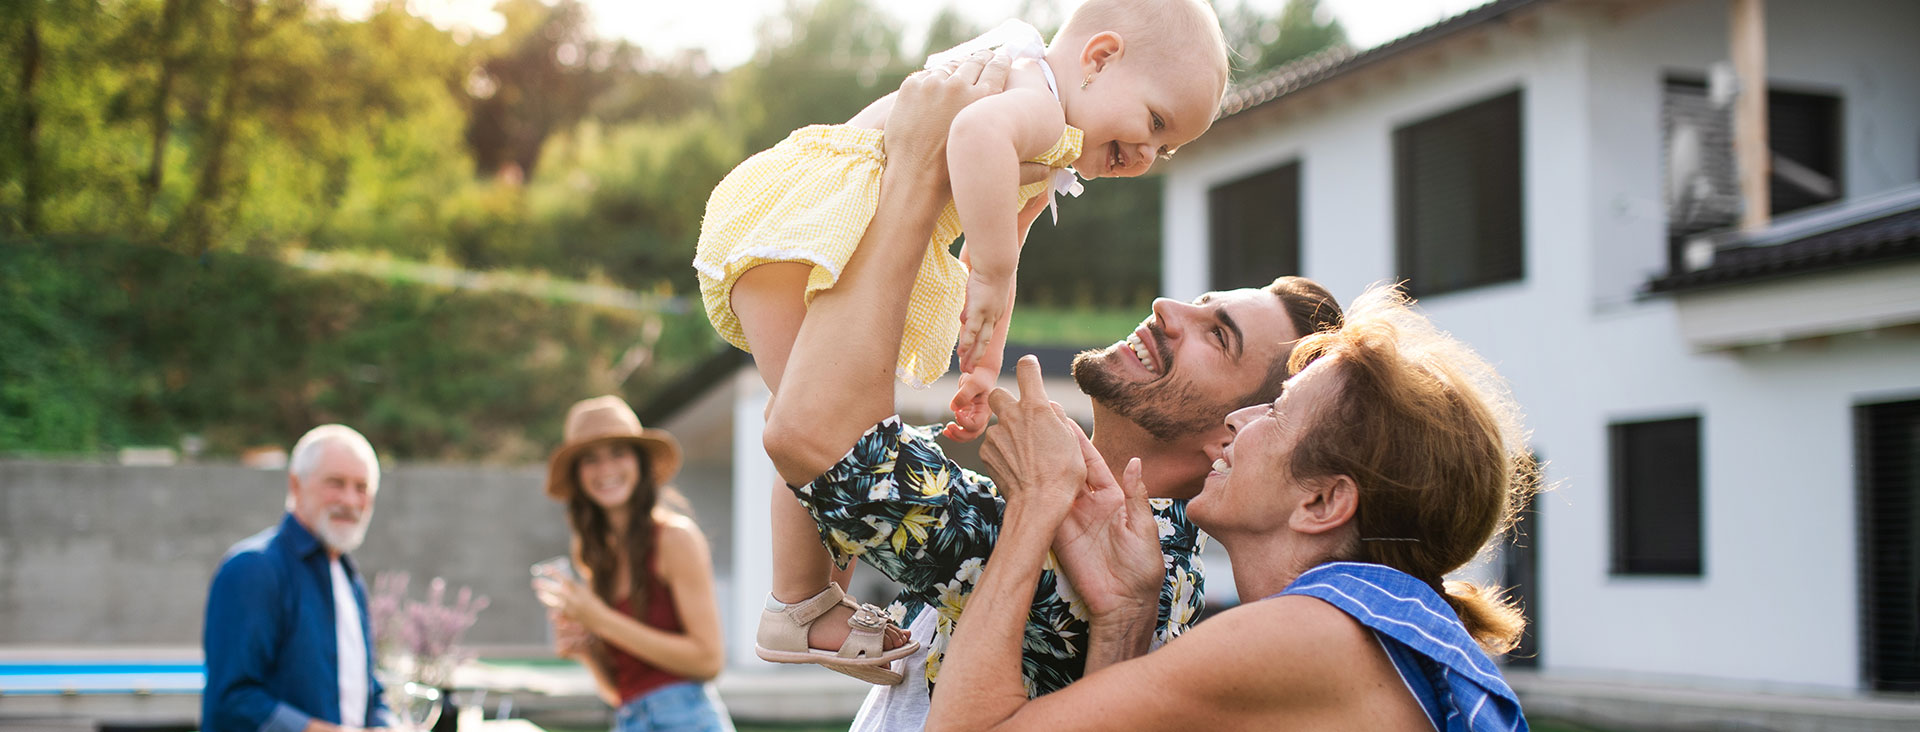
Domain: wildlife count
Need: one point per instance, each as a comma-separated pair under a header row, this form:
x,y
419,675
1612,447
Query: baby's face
x,y
1136,112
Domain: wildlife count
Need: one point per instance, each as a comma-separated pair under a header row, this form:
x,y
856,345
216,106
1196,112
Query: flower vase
x,y
449,720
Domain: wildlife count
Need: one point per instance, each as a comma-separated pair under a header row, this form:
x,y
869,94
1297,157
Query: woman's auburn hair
x,y
1431,435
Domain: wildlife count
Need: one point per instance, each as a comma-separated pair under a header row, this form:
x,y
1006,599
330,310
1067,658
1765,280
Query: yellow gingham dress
x,y
808,199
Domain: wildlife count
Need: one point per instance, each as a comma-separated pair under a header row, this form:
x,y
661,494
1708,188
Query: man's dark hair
x,y
1311,309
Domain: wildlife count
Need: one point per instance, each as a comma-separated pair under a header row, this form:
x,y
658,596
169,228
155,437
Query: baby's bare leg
x,y
770,302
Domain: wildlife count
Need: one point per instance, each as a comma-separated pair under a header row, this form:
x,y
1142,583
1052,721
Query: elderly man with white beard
x,y
288,644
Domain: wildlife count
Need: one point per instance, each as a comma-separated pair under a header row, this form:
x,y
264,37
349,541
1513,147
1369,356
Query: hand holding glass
x,y
553,570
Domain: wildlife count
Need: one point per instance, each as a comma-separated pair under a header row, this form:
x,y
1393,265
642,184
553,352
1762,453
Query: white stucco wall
x,y
753,482
1778,603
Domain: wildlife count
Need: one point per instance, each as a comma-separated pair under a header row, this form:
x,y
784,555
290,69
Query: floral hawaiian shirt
x,y
902,507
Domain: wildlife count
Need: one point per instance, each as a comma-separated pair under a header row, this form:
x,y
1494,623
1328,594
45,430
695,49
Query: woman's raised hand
x,y
928,101
1034,453
1109,545
569,599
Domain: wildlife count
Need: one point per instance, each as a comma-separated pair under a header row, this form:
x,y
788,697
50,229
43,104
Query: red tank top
x,y
634,677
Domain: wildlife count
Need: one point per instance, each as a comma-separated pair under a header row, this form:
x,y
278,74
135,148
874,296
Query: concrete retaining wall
x,y
97,554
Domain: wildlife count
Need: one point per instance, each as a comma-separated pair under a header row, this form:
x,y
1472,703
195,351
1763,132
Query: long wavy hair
x,y
1432,437
600,550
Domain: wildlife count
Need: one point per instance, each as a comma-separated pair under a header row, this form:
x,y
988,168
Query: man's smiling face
x,y
1189,364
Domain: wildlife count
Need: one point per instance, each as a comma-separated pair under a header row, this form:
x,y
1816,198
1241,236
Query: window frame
x,y
1867,434
1624,562
1219,270
1406,236
1678,236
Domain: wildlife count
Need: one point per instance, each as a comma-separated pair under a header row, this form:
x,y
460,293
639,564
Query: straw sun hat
x,y
608,419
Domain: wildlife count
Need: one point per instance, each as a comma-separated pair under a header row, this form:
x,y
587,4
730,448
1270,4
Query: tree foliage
x,y
1261,42
818,62
181,145
110,344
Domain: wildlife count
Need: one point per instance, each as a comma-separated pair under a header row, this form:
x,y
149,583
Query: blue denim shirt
x,y
272,656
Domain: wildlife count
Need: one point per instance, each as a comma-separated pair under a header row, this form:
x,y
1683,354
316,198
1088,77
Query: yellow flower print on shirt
x,y
913,527
908,511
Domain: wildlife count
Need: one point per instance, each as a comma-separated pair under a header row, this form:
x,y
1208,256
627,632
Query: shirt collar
x,y
299,540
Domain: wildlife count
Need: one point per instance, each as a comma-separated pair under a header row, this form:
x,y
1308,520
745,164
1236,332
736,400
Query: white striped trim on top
x,y
1471,661
1395,621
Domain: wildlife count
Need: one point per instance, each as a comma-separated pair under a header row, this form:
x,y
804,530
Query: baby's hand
x,y
969,406
987,299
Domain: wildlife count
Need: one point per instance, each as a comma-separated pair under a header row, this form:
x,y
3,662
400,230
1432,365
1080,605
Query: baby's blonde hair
x,y
1184,30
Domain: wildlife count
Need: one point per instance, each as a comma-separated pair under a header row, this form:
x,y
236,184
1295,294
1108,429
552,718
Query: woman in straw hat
x,y
643,617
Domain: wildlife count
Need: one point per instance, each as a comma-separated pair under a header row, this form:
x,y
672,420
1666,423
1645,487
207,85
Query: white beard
x,y
344,540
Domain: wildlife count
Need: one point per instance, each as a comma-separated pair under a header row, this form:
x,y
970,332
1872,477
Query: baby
x,y
1124,83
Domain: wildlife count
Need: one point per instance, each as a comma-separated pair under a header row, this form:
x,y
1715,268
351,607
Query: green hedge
x,y
105,344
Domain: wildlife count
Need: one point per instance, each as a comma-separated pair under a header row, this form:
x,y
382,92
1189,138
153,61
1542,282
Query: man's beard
x,y
1166,408
343,540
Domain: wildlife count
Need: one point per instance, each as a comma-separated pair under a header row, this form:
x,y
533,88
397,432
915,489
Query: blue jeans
x,y
685,706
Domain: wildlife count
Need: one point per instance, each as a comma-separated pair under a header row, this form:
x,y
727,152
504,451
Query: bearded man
x,y
287,639
884,492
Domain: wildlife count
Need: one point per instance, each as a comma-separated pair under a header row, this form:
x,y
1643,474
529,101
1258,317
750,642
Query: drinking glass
x,y
553,570
417,706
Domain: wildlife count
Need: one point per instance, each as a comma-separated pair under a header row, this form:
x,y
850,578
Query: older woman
x,y
1388,462
644,620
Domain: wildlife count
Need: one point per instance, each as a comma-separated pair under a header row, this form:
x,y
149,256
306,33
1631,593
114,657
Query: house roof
x,y
1873,229
1333,63
676,395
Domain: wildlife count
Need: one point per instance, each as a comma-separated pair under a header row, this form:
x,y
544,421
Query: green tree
x,y
661,90
630,203
1263,42
948,29
213,124
542,76
23,35
55,86
817,63
211,206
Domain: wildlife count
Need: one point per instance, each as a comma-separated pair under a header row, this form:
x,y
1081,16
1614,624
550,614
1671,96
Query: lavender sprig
x,y
427,632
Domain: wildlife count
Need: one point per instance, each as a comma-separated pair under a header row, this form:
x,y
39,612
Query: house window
x,y
1520,576
1804,132
1255,228
1888,438
1656,497
1703,180
1457,191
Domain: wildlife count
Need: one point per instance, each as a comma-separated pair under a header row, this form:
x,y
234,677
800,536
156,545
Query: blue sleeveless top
x,y
1455,682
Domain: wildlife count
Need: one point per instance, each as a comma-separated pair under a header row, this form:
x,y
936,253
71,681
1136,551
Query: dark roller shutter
x,y
1254,228
1889,444
1656,497
1457,194
1520,576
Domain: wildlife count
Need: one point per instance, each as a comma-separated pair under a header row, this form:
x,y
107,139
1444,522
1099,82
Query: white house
x,y
1729,413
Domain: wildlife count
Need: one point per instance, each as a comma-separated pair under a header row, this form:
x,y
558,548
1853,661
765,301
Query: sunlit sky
x,y
725,28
